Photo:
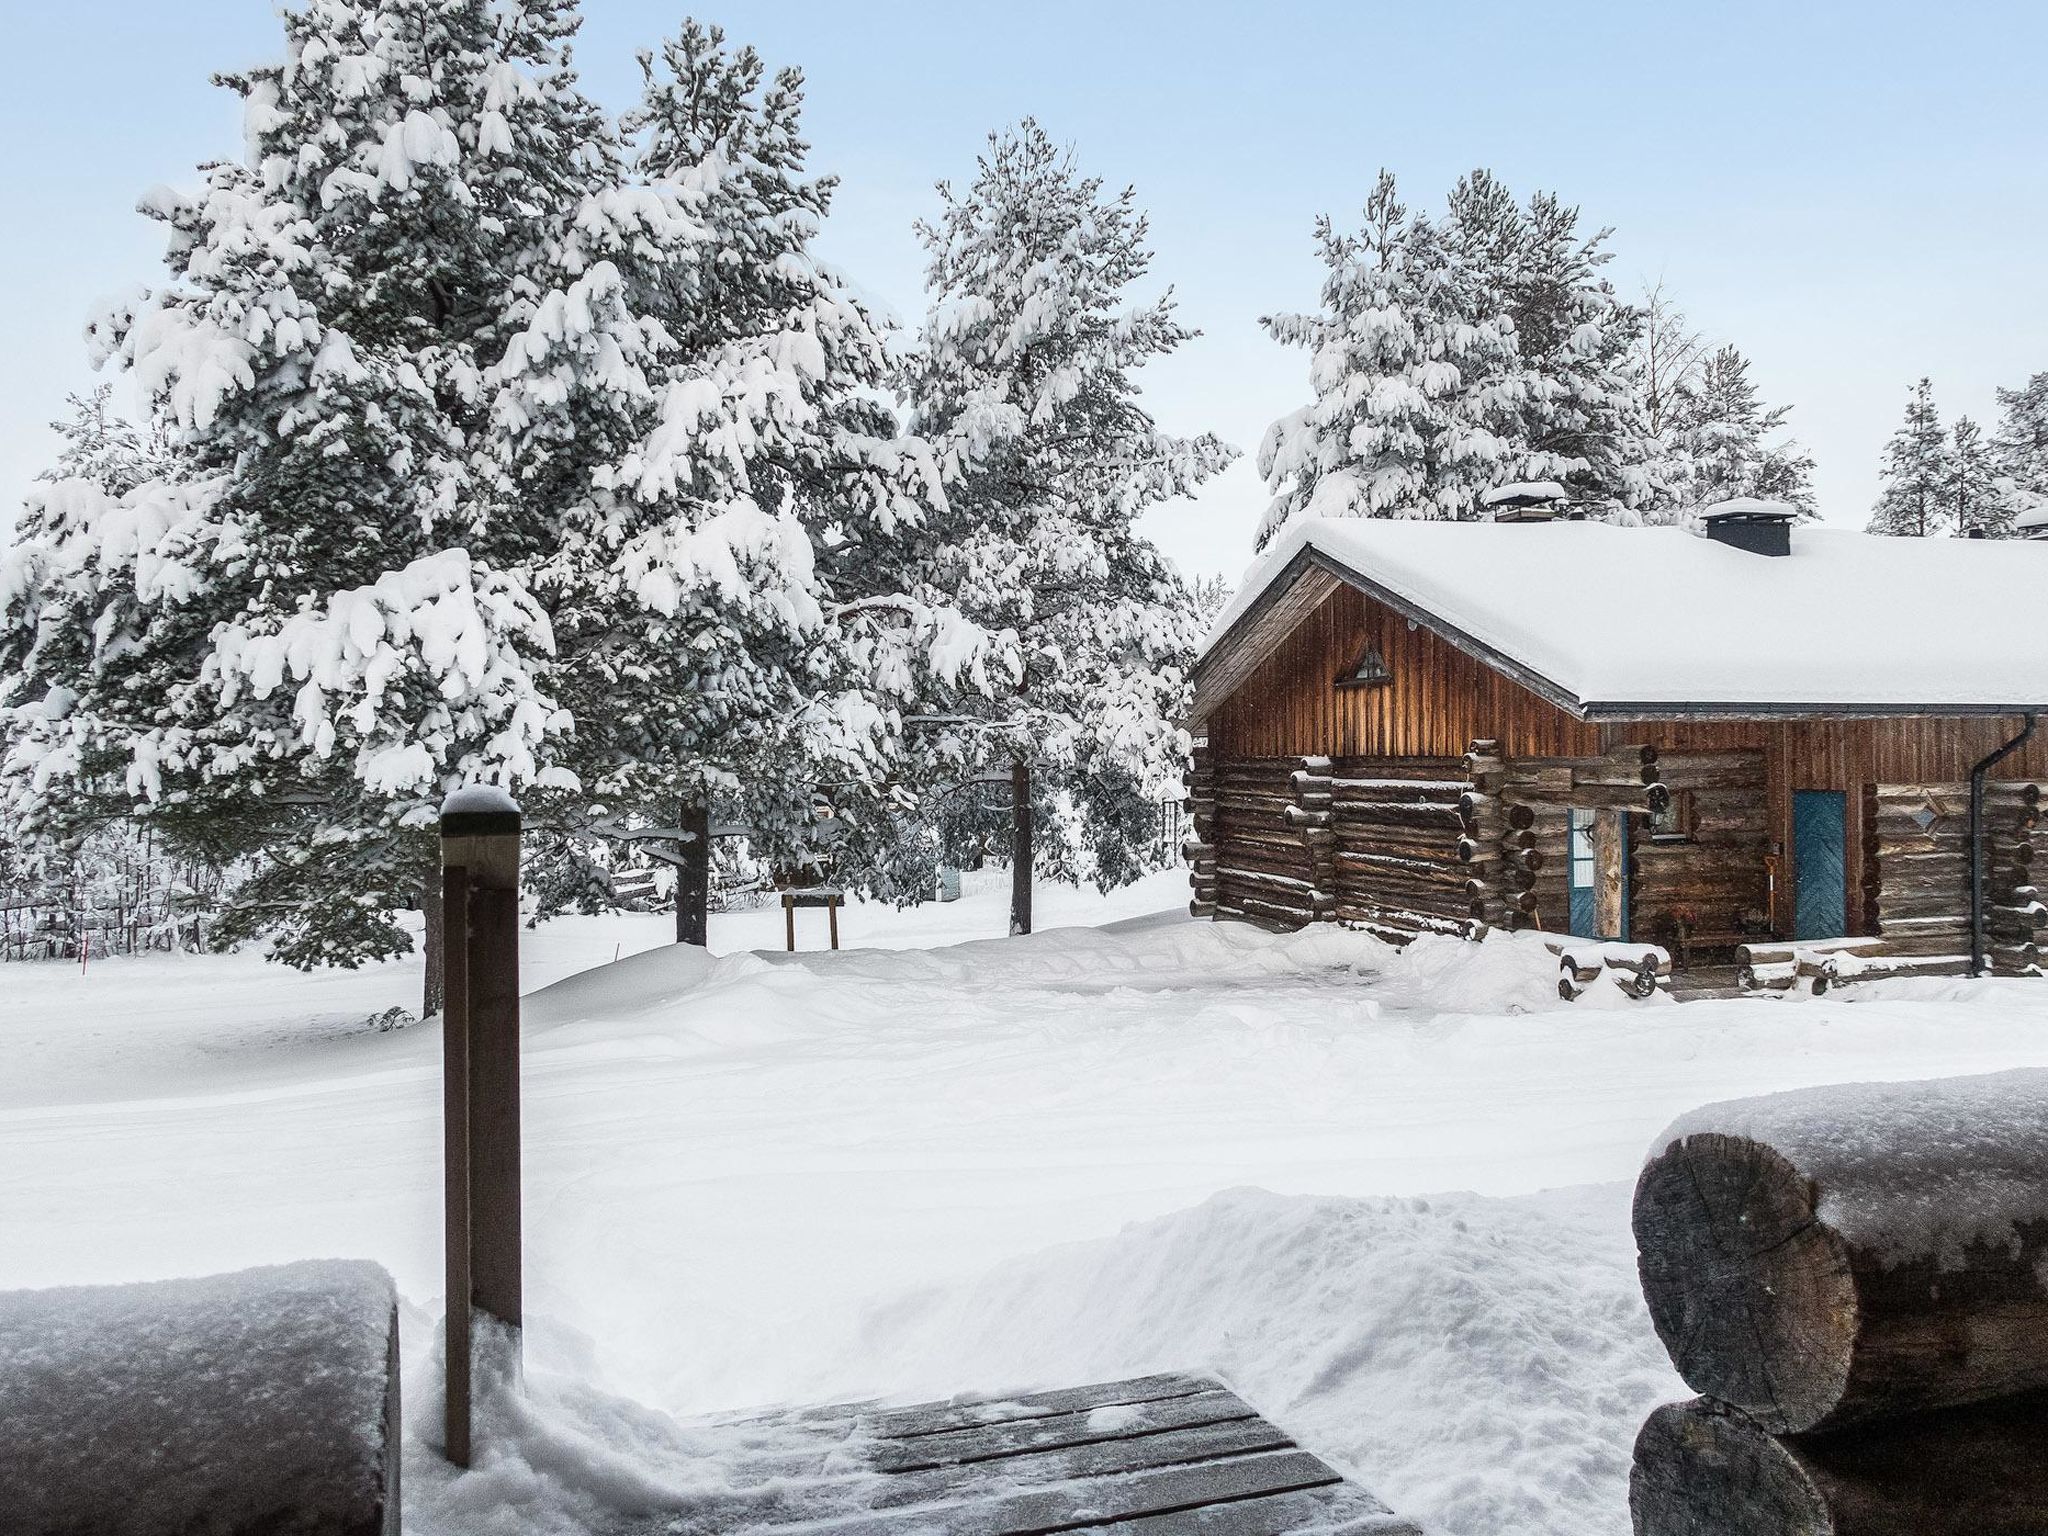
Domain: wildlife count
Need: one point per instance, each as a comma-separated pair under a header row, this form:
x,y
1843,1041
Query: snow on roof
x,y
2033,517
1615,617
1747,506
1524,490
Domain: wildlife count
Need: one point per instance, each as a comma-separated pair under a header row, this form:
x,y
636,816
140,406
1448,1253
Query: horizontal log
x,y
1702,1467
1841,1255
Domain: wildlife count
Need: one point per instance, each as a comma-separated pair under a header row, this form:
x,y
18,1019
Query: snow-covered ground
x,y
1384,1195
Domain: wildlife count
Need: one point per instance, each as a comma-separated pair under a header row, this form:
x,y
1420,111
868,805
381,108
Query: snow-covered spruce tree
x,y
1915,475
1453,355
1397,427
2020,446
769,648
1024,383
320,615
1730,444
1980,503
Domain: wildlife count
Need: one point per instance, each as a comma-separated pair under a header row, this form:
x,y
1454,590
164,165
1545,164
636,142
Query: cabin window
x,y
1674,823
1369,671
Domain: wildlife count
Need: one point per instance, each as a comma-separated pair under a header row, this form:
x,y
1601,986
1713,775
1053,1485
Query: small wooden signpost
x,y
480,1080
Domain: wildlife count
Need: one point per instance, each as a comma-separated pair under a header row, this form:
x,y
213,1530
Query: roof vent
x,y
1761,527
1531,501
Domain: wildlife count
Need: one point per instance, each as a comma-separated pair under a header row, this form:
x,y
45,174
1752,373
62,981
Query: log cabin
x,y
1729,742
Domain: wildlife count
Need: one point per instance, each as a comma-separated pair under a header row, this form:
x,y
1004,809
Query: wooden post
x,y
1022,853
789,922
693,874
832,918
480,1087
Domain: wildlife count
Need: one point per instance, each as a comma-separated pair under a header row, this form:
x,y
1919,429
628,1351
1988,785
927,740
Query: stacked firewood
x,y
1856,1282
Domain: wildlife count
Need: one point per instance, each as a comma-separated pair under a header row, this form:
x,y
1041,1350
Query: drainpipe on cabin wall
x,y
1977,773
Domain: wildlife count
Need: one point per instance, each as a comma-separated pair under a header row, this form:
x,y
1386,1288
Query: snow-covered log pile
x,y
259,1402
1855,1279
1640,970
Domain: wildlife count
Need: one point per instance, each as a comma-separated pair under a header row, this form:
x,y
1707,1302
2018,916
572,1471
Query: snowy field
x,y
1384,1195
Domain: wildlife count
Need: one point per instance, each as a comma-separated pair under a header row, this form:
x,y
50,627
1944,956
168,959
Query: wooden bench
x,y
1166,1455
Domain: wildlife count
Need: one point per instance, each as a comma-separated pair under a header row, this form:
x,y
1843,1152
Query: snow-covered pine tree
x,y
1023,382
1732,444
1980,504
1579,405
2020,446
465,442
768,649
1451,356
321,610
1401,425
1915,472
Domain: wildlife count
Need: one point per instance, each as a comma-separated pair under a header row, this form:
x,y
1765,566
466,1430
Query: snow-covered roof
x,y
2034,518
1632,622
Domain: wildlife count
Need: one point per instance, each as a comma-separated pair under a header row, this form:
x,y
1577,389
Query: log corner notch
x,y
1200,850
1517,810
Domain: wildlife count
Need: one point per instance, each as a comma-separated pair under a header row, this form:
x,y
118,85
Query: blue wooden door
x,y
1820,832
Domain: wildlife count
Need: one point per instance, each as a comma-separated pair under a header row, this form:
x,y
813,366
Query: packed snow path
x,y
770,1179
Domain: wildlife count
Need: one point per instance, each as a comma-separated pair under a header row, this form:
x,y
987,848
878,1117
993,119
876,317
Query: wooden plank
x,y
1138,1453
1342,1510
1097,1501
1113,1421
973,1412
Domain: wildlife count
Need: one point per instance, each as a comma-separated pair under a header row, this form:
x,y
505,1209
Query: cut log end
x,y
1750,1292
1699,1469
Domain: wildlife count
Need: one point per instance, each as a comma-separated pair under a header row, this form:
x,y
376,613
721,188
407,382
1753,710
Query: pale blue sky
x,y
1855,194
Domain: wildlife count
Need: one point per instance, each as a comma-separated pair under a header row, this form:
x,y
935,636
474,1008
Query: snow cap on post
x,y
479,810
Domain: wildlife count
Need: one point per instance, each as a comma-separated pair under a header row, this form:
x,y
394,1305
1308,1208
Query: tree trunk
x,y
693,874
435,943
1977,1471
1022,853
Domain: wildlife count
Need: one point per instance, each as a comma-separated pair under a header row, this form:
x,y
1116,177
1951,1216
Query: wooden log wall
x,y
1521,810
1917,877
1401,845
1716,877
1262,846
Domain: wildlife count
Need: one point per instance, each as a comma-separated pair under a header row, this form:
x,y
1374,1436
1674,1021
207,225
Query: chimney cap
x,y
1749,509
